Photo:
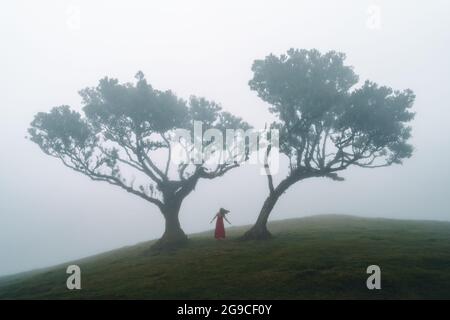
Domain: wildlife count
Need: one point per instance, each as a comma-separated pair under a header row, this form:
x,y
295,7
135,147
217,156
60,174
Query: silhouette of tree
x,y
326,123
126,139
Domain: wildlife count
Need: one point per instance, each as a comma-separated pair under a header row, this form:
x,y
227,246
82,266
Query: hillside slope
x,y
313,257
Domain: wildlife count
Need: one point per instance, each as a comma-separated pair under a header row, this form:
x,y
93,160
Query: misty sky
x,y
52,49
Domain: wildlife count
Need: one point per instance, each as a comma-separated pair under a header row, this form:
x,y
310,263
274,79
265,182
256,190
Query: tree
x,y
126,139
326,123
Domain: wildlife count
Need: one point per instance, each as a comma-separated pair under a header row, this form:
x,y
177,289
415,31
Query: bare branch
x,y
169,157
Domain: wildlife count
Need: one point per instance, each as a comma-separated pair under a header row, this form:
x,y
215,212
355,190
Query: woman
x,y
220,228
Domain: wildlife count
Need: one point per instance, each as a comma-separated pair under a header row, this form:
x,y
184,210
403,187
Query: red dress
x,y
220,228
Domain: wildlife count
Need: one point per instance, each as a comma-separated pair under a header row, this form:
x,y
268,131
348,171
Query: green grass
x,y
319,257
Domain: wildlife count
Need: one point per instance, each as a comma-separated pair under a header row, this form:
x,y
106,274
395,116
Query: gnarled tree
x,y
327,124
126,139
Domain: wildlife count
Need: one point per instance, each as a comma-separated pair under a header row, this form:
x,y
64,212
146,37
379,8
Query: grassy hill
x,y
313,257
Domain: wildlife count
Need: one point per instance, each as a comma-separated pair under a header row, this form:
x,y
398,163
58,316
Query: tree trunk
x,y
259,230
174,235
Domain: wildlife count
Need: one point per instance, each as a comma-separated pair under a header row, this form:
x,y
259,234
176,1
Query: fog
x,y
51,49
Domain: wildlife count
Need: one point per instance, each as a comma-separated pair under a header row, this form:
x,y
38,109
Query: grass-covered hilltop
x,y
308,258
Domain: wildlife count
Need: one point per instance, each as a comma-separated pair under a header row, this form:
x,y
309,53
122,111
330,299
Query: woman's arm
x,y
227,220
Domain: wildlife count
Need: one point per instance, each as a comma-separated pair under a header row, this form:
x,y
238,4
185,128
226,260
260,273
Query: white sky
x,y
52,49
